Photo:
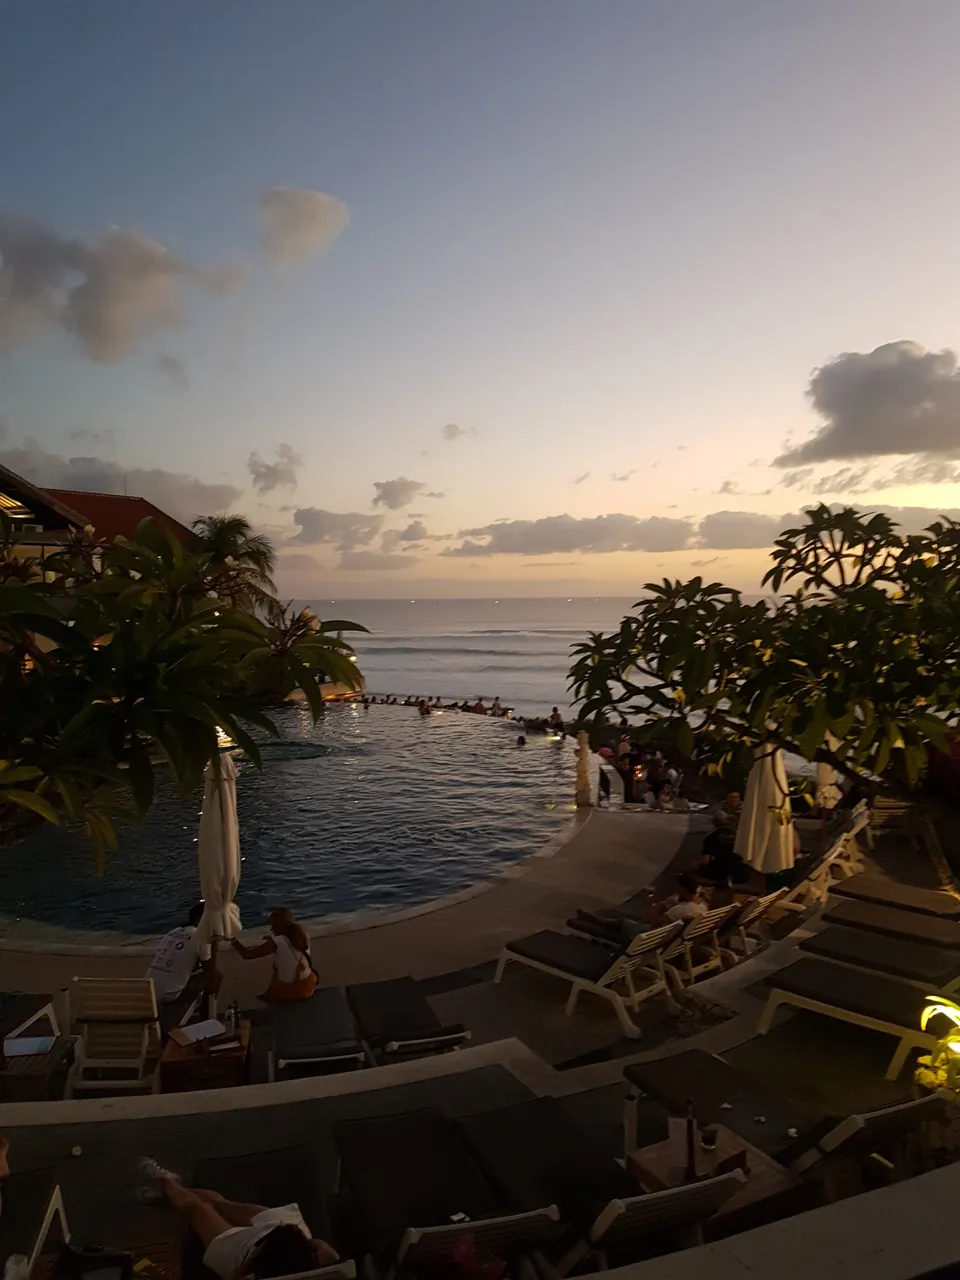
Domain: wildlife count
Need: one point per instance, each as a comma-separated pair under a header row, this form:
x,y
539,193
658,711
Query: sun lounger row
x,y
373,1022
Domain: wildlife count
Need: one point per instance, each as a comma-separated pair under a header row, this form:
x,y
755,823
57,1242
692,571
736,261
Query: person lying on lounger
x,y
241,1240
294,977
687,903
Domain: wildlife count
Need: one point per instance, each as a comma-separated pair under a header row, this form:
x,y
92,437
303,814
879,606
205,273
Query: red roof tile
x,y
114,515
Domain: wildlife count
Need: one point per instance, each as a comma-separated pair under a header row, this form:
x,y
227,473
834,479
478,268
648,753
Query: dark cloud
x,y
173,370
728,486
848,480
394,494
375,560
563,534
739,530
433,493
924,471
110,294
183,496
281,474
297,562
347,530
580,479
898,398
453,432
623,476
296,225
416,531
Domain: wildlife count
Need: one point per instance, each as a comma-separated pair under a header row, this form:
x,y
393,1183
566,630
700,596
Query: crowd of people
x,y
647,776
426,706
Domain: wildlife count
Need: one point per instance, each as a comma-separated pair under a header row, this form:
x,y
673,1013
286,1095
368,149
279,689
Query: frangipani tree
x,y
859,638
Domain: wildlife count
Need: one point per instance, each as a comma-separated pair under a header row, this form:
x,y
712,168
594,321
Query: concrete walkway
x,y
610,856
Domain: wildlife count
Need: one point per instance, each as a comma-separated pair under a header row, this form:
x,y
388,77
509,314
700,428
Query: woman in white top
x,y
294,977
242,1239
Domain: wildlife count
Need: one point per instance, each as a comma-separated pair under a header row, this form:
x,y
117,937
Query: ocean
x,y
513,649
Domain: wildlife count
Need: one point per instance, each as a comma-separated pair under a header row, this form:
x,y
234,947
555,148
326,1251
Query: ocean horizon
x,y
513,648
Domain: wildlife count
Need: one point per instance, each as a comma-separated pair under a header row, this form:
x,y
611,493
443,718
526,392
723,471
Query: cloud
x,y
924,471
728,486
375,560
109,295
740,530
106,439
848,480
433,493
282,474
563,534
794,479
580,479
416,531
296,225
898,398
394,494
183,496
297,562
348,530
702,564
453,432
173,369
624,476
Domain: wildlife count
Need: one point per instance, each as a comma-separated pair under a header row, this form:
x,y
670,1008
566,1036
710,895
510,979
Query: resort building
x,y
43,519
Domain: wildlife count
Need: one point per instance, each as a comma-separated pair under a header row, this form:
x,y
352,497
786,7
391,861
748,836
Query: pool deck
x,y
610,856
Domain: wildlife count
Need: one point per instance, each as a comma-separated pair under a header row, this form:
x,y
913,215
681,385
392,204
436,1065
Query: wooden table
x,y
184,1068
28,1078
771,1191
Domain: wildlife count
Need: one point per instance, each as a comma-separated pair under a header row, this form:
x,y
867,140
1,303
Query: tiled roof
x,y
114,515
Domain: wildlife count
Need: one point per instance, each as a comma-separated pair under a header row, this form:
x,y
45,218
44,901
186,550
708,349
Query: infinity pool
x,y
368,809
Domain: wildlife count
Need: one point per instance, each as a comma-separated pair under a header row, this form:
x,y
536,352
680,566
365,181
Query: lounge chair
x,y
32,1203
626,1226
869,1135
698,950
118,1023
396,1021
720,1093
934,968
534,1153
595,967
286,1175
746,927
894,922
318,1032
817,876
863,999
888,893
510,1236
19,1012
418,1192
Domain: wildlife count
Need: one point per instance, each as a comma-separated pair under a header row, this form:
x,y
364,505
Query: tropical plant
x,y
110,666
241,562
941,1067
864,645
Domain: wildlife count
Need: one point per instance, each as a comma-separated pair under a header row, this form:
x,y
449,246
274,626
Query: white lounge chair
x,y
628,1222
849,995
697,950
595,967
119,1035
509,1236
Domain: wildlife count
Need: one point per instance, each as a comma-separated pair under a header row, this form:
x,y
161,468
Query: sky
x,y
538,298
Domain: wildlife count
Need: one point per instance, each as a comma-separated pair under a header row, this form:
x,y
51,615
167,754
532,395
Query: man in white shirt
x,y
182,968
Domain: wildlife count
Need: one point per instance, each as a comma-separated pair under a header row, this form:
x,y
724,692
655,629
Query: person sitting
x,y
182,969
424,707
241,1240
718,862
496,709
294,977
478,708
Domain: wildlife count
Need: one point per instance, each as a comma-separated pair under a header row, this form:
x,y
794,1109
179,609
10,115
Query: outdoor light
x,y
944,1060
224,741
353,657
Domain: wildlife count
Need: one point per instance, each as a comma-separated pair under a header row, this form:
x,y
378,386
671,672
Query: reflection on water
x,y
367,809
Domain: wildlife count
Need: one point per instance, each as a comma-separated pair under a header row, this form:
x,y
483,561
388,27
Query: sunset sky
x,y
520,297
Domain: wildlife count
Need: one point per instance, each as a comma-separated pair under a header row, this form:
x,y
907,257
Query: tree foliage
x,y
860,639
240,562
118,658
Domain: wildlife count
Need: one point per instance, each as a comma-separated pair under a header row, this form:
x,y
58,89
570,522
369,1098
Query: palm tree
x,y
241,561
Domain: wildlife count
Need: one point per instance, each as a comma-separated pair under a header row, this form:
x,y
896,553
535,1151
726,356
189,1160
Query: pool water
x,y
368,809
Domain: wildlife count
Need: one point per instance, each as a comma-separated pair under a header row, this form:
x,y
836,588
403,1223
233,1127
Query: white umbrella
x,y
765,830
828,790
218,854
